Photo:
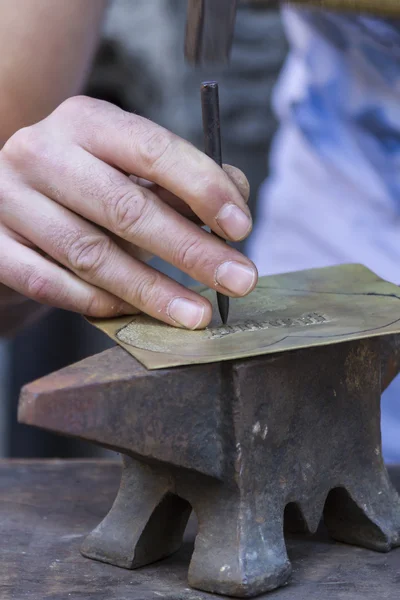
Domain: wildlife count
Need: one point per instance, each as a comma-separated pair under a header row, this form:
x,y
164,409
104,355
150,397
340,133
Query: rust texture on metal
x,y
242,443
390,359
47,508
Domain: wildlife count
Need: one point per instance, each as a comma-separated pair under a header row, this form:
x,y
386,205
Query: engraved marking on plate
x,y
251,325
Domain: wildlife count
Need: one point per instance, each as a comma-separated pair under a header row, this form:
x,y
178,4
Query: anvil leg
x,y
368,514
145,524
237,552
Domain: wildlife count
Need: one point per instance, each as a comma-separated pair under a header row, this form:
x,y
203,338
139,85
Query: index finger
x,y
235,174
140,147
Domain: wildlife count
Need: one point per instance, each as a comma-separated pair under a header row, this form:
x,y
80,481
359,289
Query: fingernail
x,y
234,222
185,312
236,277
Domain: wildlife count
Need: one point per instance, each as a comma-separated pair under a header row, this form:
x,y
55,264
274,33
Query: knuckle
x,y
147,289
86,254
190,254
126,210
94,306
27,145
38,287
155,147
77,113
10,189
76,106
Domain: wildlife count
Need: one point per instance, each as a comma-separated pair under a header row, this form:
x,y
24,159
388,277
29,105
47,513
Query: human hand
x,y
75,227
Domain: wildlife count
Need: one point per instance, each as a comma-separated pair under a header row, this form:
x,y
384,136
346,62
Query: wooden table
x,y
47,508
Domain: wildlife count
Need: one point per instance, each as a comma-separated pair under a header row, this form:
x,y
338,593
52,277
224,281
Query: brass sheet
x,y
285,312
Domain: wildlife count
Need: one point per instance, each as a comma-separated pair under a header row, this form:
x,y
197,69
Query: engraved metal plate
x,y
285,312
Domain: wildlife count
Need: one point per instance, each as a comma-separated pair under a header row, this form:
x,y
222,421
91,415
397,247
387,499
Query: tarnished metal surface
x,y
390,359
285,312
113,400
242,443
47,507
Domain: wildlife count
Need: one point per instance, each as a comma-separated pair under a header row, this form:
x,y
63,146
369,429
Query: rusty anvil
x,y
251,445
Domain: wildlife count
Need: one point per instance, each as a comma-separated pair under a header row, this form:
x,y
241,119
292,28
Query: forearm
x,y
46,48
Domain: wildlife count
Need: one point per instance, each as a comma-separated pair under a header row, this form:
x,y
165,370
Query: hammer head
x,y
209,31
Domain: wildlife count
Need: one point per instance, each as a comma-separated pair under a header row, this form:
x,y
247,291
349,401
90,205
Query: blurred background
x,y
140,67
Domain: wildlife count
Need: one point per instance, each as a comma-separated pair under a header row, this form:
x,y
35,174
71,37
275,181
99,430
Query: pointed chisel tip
x,y
223,306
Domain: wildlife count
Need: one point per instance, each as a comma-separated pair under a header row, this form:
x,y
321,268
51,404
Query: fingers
x,y
149,151
28,273
236,175
78,159
140,147
97,260
107,197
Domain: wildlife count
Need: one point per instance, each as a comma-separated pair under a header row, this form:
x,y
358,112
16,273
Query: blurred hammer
x,y
210,23
209,31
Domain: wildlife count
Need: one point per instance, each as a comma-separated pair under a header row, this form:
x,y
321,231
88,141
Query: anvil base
x,y
252,446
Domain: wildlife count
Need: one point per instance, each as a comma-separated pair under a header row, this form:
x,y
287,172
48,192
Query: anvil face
x,y
316,307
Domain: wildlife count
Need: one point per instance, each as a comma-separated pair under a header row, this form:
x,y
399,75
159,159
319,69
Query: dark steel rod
x,y
212,147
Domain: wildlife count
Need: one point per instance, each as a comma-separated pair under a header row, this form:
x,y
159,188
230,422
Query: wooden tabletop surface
x,y
47,507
